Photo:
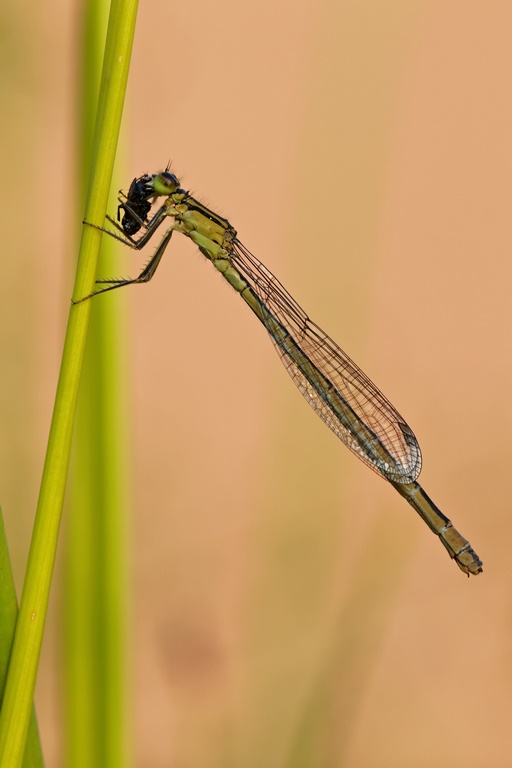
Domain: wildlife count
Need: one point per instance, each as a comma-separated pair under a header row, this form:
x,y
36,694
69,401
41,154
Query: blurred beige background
x,y
362,150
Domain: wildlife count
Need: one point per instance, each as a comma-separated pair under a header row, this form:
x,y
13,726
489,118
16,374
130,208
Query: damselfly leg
x,y
149,270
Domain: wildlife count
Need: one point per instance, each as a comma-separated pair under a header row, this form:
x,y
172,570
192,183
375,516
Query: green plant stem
x,y
22,673
94,595
8,613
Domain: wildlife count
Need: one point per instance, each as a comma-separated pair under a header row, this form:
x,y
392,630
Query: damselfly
x,y
333,385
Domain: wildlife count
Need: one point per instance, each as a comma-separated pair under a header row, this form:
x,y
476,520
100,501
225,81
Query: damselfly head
x,y
165,183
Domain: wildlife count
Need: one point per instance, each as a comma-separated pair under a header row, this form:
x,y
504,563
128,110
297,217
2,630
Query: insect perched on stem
x,y
333,385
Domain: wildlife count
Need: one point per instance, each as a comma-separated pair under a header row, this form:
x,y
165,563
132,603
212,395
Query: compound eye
x,y
165,183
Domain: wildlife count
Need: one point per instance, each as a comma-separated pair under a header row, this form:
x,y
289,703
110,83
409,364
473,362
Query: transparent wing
x,y
338,390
